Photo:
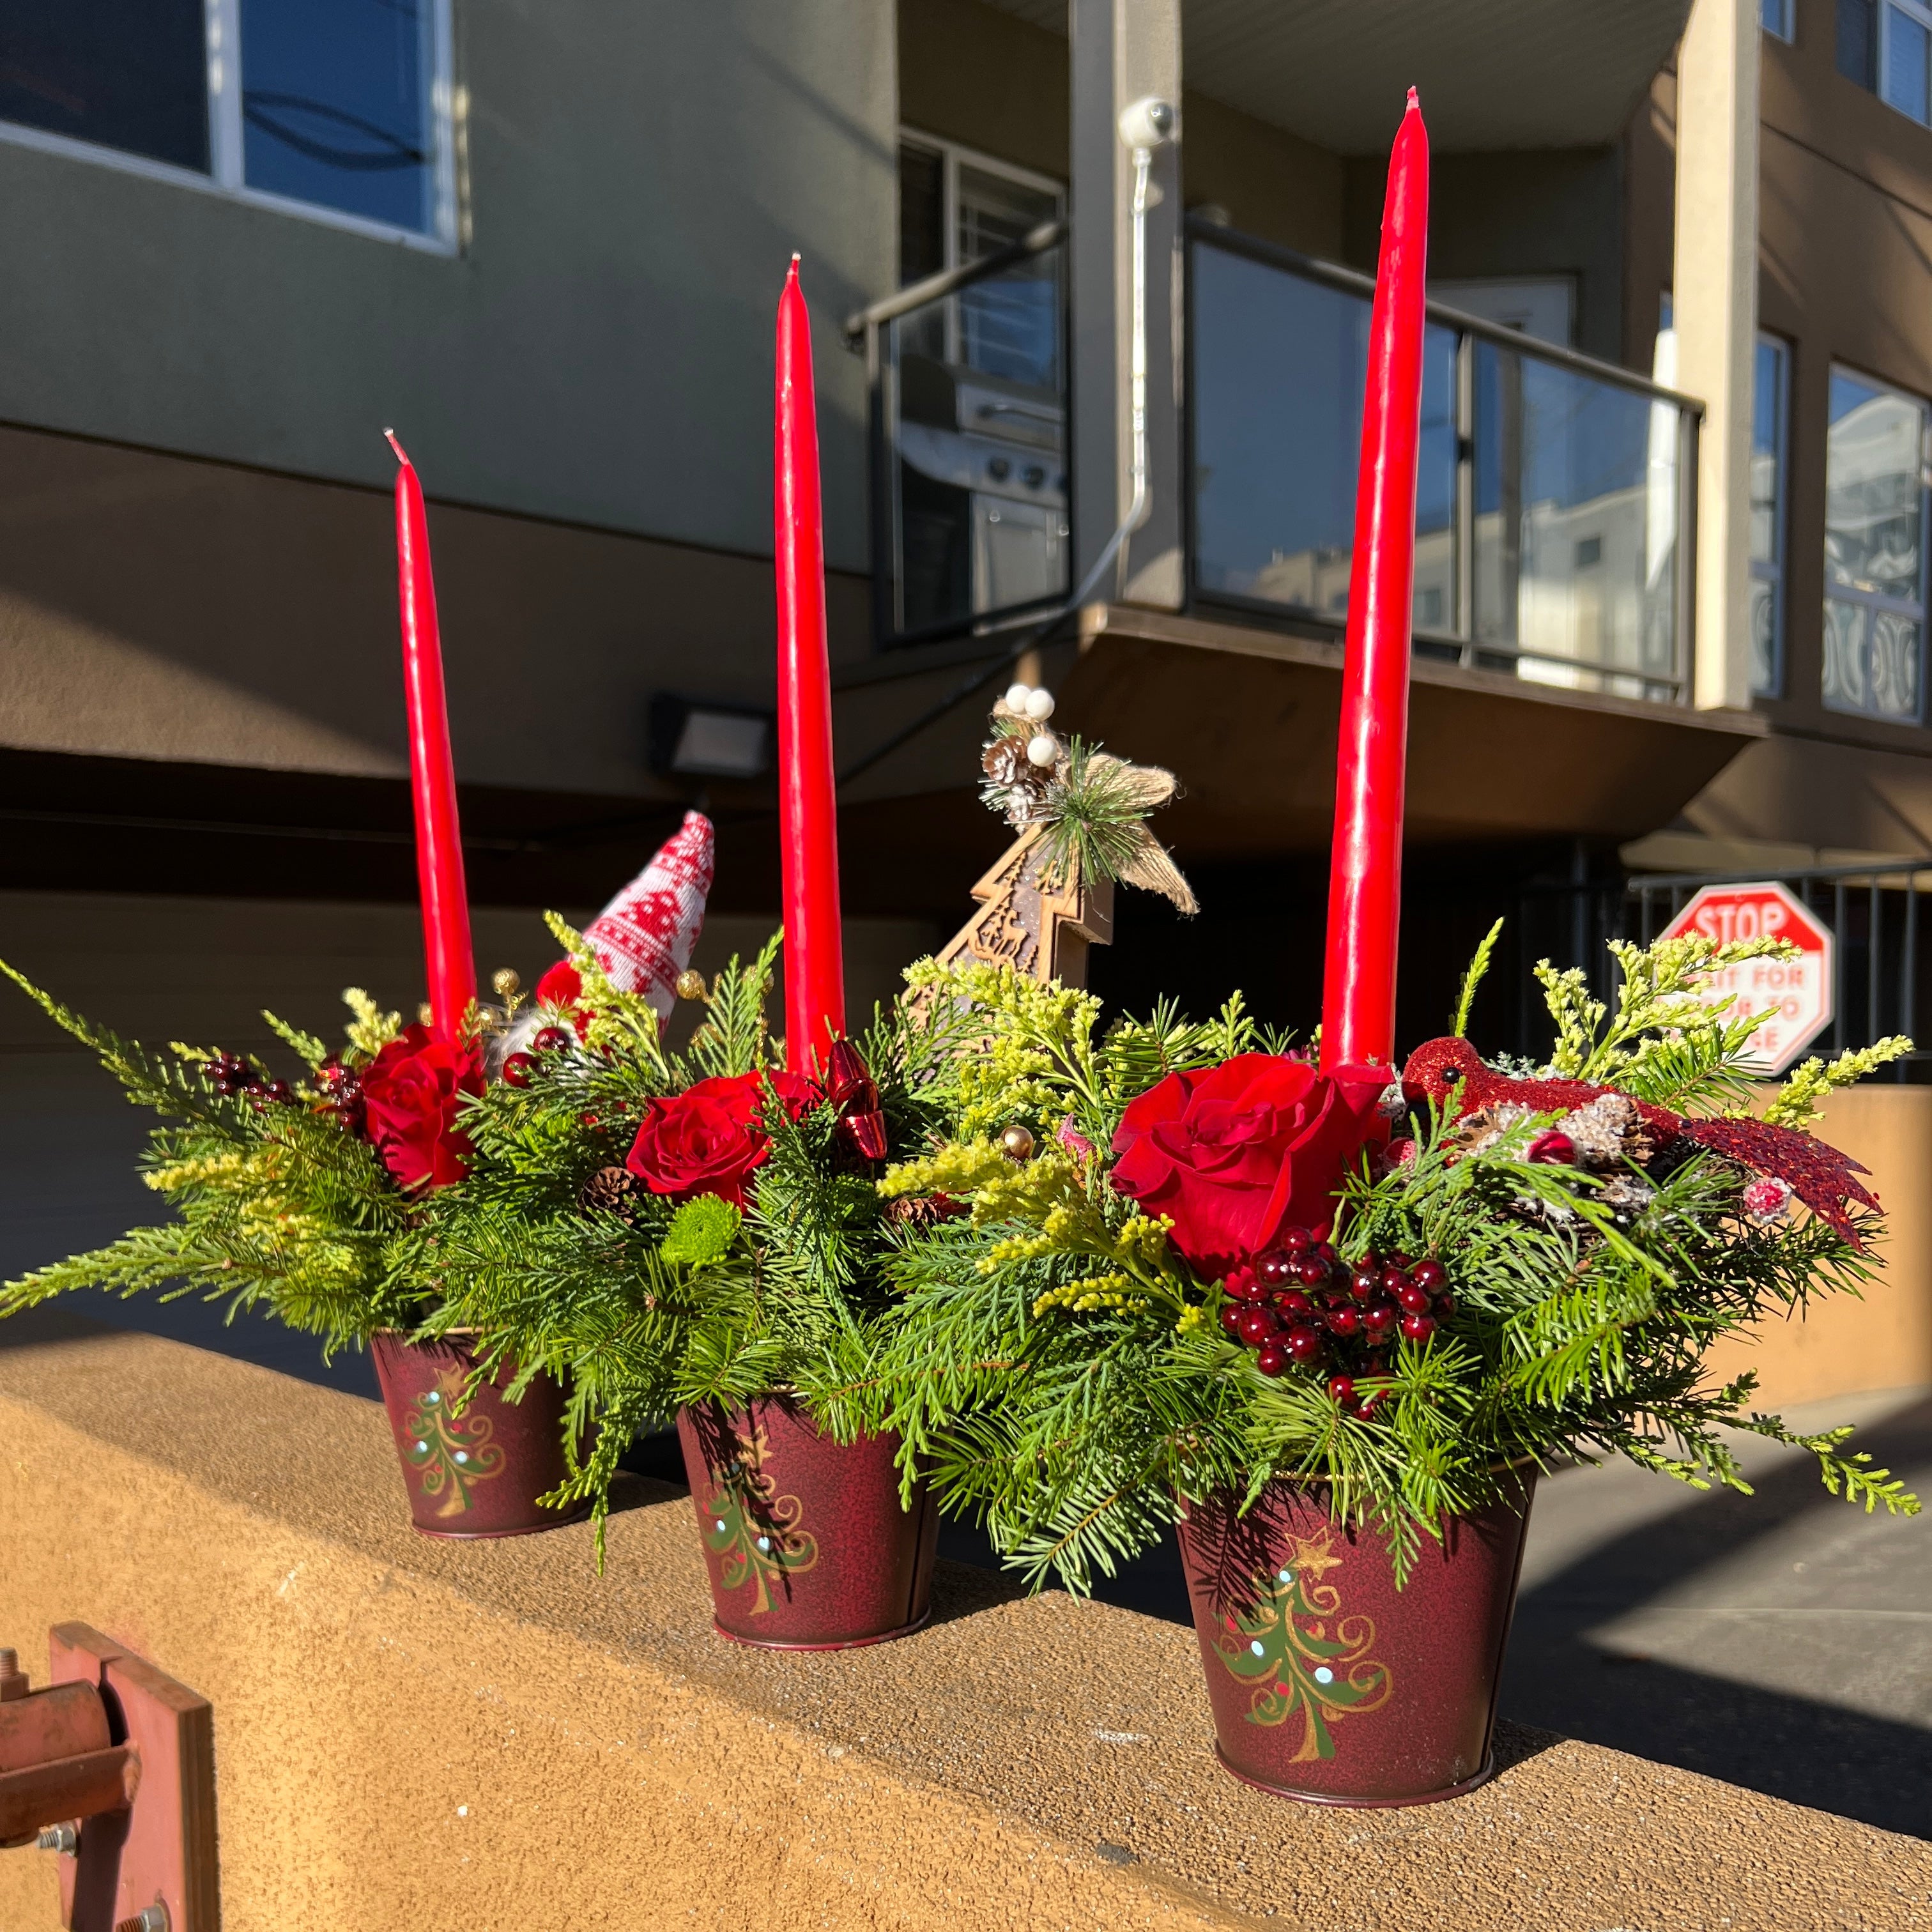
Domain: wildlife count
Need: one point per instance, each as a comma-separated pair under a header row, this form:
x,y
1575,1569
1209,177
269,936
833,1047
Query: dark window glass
x,y
1857,42
335,97
922,214
131,74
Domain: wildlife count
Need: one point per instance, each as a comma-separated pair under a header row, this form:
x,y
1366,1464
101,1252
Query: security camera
x,y
1148,123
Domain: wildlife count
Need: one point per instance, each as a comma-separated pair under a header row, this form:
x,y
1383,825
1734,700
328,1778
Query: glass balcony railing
x,y
1551,489
969,503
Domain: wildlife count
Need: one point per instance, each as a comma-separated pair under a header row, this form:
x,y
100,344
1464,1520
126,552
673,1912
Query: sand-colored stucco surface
x,y
411,1733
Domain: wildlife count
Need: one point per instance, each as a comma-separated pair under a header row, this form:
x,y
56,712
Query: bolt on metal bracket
x,y
113,1764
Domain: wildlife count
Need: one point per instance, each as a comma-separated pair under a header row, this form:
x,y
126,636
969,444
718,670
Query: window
x,y
131,75
334,107
957,207
1875,458
1777,16
1857,42
1771,408
1886,45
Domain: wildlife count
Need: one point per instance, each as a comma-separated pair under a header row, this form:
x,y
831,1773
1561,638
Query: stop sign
x,y
1796,992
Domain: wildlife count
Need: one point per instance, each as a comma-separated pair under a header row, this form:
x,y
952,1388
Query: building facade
x,y
1670,595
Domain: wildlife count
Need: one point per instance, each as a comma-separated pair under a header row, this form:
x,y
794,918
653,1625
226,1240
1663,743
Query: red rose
x,y
707,1140
412,1092
1236,1153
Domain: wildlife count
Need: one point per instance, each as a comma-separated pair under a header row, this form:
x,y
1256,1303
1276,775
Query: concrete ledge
x,y
410,1733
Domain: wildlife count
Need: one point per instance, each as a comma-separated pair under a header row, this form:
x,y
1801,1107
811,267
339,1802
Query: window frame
x,y
1875,601
951,154
1772,570
226,170
1918,11
1784,27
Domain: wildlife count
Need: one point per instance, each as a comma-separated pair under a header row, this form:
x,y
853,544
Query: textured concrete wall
x,y
1884,1339
409,1733
637,173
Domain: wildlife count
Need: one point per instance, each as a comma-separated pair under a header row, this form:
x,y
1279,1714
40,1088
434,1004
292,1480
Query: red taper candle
x,y
1365,871
808,804
449,962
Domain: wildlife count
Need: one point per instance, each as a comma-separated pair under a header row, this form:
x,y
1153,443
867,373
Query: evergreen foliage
x,y
276,1205
1064,1376
560,1260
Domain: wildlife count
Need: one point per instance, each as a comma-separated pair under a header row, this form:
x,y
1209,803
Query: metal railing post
x,y
1465,547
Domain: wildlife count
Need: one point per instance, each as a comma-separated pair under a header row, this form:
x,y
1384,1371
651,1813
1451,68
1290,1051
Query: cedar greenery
x,y
559,1262
1061,1374
276,1205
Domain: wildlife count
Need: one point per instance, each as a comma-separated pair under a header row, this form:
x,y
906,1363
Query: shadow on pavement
x,y
1717,1580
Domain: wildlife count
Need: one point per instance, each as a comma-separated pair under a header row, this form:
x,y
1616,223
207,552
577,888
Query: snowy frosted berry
x,y
1767,1197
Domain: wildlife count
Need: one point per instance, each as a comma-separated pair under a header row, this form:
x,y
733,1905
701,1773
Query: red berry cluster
x,y
545,1040
229,1074
1301,1303
342,1095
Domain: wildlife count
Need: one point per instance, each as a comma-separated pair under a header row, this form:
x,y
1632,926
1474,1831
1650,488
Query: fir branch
x,y
1473,978
313,1050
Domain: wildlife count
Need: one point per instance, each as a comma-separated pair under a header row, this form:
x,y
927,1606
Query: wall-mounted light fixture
x,y
715,741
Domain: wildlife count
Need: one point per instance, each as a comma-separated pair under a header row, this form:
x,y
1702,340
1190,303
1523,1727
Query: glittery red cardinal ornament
x,y
1451,1073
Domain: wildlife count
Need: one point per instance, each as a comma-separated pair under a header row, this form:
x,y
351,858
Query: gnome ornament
x,y
643,939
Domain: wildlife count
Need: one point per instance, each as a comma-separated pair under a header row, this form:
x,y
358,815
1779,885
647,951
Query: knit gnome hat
x,y
645,936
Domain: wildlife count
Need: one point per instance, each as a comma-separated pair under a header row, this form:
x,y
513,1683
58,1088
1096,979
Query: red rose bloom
x,y
411,1094
1234,1153
707,1140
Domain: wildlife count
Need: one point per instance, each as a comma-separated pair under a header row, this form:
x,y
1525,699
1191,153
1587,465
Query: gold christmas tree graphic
x,y
1301,1654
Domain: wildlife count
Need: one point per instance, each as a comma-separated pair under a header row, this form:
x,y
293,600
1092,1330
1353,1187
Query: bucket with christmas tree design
x,y
1331,1325
699,1233
1331,1679
807,1544
477,1454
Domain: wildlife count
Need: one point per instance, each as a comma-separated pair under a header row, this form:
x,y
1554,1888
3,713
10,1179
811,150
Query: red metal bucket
x,y
806,1542
1330,1684
478,1473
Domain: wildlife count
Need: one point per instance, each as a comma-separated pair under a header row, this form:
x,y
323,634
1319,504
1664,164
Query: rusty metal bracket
x,y
112,1764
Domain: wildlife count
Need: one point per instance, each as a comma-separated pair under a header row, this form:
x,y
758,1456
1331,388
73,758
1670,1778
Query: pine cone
x,y
611,1190
1477,1132
922,1210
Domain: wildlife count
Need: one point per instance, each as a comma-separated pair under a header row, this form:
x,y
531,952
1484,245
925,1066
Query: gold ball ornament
x,y
691,984
506,983
1016,1143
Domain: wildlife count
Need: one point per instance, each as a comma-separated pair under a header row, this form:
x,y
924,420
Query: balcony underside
x,y
1247,719
1493,73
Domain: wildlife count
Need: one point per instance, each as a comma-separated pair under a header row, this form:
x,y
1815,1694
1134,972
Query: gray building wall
x,y
636,174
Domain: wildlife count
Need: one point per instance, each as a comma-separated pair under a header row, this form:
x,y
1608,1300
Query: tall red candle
x,y
448,960
808,805
1365,870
